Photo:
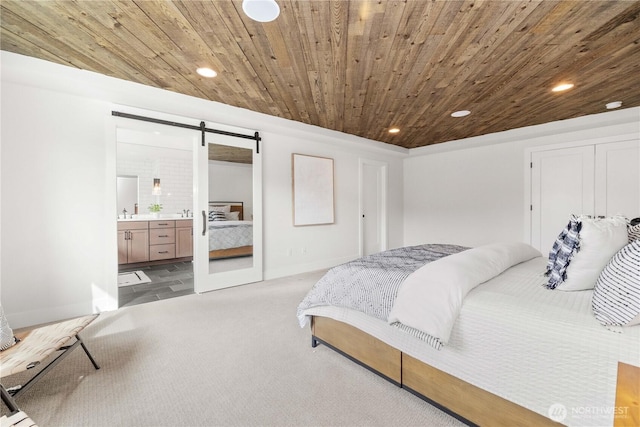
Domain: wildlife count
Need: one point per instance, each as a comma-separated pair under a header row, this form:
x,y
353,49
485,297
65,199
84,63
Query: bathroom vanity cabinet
x,y
133,242
184,239
154,241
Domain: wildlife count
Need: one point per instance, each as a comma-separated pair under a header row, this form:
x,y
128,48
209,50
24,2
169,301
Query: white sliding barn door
x,y
561,185
237,266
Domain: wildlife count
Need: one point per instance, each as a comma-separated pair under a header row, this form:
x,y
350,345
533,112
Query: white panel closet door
x,y
617,183
373,207
561,184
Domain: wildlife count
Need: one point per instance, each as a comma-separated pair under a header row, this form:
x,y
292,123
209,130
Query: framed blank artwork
x,y
312,190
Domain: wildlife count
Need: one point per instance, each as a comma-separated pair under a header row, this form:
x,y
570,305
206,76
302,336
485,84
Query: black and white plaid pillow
x,y
567,244
217,216
616,296
634,232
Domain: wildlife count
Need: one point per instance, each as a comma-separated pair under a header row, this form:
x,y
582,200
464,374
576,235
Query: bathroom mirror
x,y
127,189
231,191
149,156
228,227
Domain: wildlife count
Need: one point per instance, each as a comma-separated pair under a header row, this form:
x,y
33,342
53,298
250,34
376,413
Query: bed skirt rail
x,y
315,341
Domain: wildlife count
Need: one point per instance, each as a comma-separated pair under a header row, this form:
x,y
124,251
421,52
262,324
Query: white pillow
x,y
232,216
616,297
225,208
600,239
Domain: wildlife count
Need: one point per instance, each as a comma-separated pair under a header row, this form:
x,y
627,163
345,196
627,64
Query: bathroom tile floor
x,y
167,281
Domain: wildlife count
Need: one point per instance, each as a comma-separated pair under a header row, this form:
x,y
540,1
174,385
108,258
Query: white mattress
x,y
532,346
230,234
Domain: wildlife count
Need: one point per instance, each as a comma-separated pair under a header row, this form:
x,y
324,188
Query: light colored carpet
x,y
234,357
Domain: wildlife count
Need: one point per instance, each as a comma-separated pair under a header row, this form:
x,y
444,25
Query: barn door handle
x,y
204,223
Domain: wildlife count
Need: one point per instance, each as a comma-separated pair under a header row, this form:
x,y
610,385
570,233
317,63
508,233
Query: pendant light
x,y
157,191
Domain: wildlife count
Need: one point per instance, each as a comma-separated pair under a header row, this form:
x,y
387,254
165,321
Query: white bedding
x,y
429,299
230,234
527,344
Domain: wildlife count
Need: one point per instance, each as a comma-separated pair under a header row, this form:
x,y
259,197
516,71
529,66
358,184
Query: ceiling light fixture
x,y
394,130
460,113
614,104
261,10
562,87
206,72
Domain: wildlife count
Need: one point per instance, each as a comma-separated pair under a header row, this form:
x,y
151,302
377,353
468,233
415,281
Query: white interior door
x,y
618,179
373,212
561,184
229,174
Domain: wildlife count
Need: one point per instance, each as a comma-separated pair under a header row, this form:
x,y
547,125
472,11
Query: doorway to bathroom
x,y
154,168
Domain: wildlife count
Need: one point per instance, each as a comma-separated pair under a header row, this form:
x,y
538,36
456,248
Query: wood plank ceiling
x,y
359,67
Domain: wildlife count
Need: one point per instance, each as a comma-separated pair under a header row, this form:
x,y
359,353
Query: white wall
x,y
232,182
54,197
58,192
176,181
472,192
315,241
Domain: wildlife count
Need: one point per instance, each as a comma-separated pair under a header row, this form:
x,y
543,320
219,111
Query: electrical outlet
x,y
303,250
289,252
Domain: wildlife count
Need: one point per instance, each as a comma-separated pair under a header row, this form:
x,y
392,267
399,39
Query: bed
x,y
230,235
517,353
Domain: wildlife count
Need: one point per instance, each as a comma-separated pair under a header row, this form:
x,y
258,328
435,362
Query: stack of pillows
x,y
223,213
602,254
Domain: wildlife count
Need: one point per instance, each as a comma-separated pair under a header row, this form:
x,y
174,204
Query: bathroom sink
x,y
171,216
147,217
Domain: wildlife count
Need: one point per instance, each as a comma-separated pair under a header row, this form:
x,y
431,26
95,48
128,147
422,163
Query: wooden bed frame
x,y
466,402
231,252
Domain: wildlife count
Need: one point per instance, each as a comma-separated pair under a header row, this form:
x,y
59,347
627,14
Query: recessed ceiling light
x,y
261,10
460,113
562,87
614,104
394,130
206,72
